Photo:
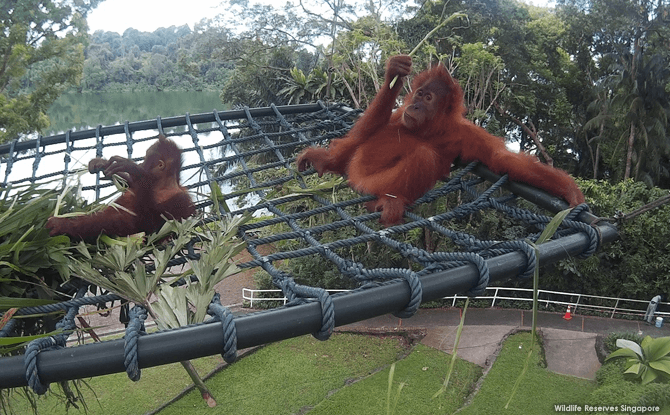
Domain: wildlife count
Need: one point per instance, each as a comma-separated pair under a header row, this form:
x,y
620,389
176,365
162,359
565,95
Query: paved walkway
x,y
569,345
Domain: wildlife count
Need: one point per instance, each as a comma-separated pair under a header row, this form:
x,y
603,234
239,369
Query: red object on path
x,y
567,315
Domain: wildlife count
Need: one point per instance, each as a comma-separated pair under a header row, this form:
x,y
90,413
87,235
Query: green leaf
x,y
10,302
200,301
389,389
217,197
631,345
15,267
654,349
635,369
662,365
552,227
171,307
648,375
455,351
107,240
6,341
628,353
320,188
83,250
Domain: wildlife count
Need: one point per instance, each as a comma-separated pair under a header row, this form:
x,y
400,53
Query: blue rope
x,y
98,153
57,341
278,136
129,140
10,161
594,238
134,330
66,305
38,157
67,158
222,314
8,328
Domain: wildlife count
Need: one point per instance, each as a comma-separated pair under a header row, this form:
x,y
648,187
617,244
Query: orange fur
x,y
398,156
153,191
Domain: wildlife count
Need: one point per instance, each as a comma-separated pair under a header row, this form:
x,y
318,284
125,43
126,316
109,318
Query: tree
x,y
510,60
643,102
620,47
480,71
41,54
359,38
258,80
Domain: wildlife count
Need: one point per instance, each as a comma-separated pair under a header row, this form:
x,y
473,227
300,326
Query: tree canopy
x,y
41,54
584,85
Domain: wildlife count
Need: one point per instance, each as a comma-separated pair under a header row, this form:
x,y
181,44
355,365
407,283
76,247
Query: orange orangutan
x,y
399,155
153,192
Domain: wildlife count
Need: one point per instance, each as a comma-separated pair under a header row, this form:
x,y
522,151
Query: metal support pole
x,y
177,121
615,306
579,297
193,342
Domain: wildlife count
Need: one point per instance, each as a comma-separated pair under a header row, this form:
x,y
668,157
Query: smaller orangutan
x,y
153,192
399,155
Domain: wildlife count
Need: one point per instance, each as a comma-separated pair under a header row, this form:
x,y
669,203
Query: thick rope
x,y
273,139
57,341
222,314
135,329
66,305
8,329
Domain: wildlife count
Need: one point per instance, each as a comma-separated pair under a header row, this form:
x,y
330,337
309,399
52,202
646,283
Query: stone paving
x,y
569,344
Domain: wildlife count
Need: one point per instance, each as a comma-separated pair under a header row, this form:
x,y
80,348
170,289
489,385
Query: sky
x,y
149,15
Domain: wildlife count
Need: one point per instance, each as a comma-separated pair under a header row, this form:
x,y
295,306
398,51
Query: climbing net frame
x,y
250,154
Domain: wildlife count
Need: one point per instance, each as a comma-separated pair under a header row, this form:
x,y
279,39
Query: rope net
x,y
250,154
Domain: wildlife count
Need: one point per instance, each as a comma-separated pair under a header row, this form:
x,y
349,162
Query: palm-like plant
x,y
642,99
296,86
647,361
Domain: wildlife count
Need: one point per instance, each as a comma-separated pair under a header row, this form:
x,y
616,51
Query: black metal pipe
x,y
165,122
265,327
532,194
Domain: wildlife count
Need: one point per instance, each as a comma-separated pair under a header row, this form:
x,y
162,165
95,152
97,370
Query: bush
x,y
610,340
647,360
634,266
262,281
613,388
315,271
611,373
615,395
656,394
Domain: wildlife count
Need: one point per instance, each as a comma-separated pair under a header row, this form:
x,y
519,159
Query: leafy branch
x,y
457,15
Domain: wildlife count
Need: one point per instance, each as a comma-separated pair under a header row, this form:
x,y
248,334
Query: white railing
x,y
573,300
249,295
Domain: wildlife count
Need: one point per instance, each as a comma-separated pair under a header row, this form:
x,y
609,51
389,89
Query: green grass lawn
x,y
298,373
538,391
347,374
118,395
280,378
421,375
